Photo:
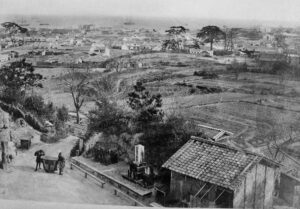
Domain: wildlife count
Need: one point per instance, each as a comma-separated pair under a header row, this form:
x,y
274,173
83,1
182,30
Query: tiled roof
x,y
212,162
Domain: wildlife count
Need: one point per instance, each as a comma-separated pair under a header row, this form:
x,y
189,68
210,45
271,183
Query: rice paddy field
x,y
252,107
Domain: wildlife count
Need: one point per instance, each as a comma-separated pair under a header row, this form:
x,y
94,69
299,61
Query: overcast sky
x,y
276,10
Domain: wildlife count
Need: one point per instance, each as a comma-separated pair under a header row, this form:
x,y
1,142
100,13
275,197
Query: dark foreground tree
x,y
162,136
17,78
146,106
211,34
107,118
163,139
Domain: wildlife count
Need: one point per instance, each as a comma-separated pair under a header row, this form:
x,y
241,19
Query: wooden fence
x,y
120,188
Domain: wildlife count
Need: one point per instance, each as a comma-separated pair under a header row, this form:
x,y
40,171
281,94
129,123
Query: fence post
x,y
71,166
115,191
85,175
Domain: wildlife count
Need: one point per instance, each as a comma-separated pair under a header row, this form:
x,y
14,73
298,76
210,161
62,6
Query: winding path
x,y
22,182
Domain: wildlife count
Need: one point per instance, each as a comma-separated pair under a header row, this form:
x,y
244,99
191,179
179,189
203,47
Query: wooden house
x,y
210,174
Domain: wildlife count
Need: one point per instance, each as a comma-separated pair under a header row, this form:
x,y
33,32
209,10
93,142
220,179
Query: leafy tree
x,y
19,76
161,136
280,40
35,103
12,96
176,30
49,111
147,107
176,38
77,83
12,29
163,139
211,34
107,118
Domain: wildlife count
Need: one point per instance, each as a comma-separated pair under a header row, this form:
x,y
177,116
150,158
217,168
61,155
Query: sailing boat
x,y
128,22
23,23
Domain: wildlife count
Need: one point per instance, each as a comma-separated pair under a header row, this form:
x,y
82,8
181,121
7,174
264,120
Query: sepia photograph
x,y
118,104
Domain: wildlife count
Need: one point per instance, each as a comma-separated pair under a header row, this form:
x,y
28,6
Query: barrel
x,y
49,163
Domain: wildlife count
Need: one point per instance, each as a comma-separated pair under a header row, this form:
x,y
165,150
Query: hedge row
x,y
16,112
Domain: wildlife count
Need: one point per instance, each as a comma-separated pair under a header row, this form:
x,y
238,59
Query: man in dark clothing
x,y
38,155
61,163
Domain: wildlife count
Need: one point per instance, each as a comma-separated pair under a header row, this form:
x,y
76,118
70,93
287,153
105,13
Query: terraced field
x,y
252,125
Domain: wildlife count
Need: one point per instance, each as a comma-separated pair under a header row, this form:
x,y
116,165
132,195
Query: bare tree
x,y
230,35
103,87
277,141
77,83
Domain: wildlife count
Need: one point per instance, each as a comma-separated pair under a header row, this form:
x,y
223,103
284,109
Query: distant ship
x,y
44,24
23,23
129,23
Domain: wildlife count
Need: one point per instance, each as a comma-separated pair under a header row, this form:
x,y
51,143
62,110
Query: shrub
x,y
35,104
12,96
206,75
31,120
49,112
192,90
59,134
62,114
222,52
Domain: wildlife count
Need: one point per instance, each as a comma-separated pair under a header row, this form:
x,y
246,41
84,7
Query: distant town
x,y
150,117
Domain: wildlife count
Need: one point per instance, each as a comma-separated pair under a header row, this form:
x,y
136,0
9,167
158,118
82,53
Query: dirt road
x,y
22,182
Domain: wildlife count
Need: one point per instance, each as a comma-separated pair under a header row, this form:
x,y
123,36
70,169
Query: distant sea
x,y
139,22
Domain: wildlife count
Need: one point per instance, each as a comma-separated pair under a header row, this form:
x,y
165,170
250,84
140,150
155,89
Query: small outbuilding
x,y
210,174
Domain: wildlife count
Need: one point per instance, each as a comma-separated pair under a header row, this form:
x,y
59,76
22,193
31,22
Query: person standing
x,y
61,163
4,138
38,155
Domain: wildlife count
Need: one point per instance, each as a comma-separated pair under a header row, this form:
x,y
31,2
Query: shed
x,y
210,174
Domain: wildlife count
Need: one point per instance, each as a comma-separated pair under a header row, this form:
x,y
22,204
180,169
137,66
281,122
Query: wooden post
x,y
115,191
4,162
85,175
71,166
296,198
